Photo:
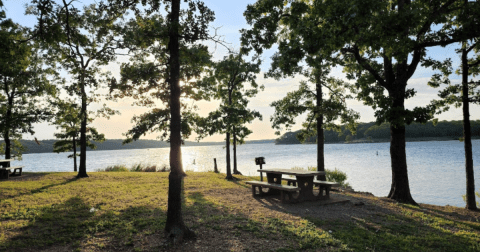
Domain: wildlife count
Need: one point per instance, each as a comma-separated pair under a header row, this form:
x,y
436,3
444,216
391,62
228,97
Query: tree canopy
x,y
25,85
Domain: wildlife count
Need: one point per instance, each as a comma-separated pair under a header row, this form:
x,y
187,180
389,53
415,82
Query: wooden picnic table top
x,y
6,160
292,172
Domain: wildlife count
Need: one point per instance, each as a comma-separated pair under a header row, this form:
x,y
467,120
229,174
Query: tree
x,y
69,121
24,86
293,28
382,43
81,41
228,79
166,51
461,95
321,113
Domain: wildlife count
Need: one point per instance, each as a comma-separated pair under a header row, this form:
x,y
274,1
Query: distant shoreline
x,y
386,140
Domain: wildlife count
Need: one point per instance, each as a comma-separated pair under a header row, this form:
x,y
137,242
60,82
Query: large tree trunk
x,y
8,144
320,136
470,196
82,171
74,154
175,228
8,119
400,189
229,169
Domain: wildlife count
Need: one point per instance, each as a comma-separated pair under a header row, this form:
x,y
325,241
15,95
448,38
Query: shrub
x,y
333,175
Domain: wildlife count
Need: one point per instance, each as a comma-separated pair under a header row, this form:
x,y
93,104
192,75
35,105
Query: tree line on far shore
x,y
371,132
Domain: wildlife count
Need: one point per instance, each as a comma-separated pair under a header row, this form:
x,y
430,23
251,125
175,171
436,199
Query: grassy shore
x,y
126,211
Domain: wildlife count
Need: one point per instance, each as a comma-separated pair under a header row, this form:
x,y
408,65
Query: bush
x,y
334,176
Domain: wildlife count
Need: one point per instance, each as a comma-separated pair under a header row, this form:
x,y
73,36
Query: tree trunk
x,y
8,121
235,171
400,189
82,171
229,169
470,196
6,137
175,228
320,136
74,154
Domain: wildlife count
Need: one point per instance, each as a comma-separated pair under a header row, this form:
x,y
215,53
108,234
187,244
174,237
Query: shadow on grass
x,y
77,225
379,228
41,189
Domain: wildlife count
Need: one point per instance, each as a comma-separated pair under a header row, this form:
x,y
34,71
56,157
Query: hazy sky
x,y
229,17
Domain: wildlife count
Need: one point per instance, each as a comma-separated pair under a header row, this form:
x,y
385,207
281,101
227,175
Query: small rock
x,y
359,203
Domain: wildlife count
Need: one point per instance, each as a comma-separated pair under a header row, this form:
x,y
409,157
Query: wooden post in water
x,y
215,165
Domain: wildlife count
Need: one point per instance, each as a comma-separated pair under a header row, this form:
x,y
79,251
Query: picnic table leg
x,y
273,178
4,173
305,183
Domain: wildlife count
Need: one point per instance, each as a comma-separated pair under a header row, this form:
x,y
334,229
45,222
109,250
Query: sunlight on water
x,y
436,169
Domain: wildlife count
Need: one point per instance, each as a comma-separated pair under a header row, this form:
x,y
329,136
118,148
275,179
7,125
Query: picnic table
x,y
6,169
303,184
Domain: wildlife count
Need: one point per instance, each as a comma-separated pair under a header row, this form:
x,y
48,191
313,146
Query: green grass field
x,y
126,211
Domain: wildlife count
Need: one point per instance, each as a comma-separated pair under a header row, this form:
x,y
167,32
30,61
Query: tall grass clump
x,y
143,168
135,168
116,168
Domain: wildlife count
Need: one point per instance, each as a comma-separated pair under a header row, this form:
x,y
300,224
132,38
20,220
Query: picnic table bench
x,y
304,185
286,191
6,169
324,186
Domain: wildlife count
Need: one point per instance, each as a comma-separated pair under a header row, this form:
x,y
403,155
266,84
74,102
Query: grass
x,y
113,211
140,167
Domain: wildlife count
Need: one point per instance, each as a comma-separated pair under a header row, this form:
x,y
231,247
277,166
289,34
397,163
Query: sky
x,y
229,19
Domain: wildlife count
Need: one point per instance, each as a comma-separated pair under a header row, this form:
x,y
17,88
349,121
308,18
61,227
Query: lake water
x,y
436,169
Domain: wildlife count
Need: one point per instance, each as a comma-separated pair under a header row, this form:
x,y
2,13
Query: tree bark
x,y
8,121
74,154
400,189
6,138
229,169
175,228
235,170
470,196
320,136
82,170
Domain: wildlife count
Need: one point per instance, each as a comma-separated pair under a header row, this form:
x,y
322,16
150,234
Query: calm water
x,y
436,169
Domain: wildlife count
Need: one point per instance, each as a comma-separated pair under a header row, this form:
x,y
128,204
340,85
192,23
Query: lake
x,y
436,169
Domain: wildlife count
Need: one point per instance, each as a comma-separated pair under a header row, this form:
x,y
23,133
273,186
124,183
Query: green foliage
x,y
337,176
299,38
26,82
146,77
68,120
227,82
443,130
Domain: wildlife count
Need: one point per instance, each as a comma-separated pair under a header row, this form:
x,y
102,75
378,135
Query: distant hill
x,y
370,132
116,144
